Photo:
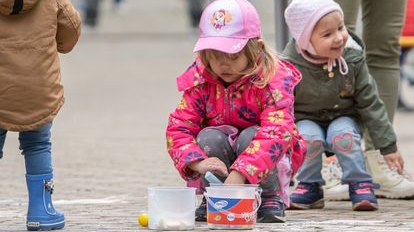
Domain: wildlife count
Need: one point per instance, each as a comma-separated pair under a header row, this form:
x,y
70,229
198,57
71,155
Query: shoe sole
x,y
337,198
271,219
393,195
45,227
317,205
34,223
201,219
365,205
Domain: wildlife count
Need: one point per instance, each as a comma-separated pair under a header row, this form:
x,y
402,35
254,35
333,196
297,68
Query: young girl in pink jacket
x,y
235,118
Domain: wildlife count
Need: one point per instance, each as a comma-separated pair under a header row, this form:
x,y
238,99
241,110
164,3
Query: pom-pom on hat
x,y
227,26
302,16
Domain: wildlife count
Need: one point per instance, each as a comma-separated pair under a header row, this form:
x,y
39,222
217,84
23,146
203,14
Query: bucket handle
x,y
248,216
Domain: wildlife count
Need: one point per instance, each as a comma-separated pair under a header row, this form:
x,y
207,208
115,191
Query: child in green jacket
x,y
334,99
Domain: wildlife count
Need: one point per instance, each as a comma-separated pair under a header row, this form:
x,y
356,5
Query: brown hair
x,y
261,60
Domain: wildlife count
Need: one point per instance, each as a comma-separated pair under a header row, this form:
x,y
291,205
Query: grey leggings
x,y
215,143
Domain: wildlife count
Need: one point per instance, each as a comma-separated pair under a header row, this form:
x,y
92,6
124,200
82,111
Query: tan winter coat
x,y
32,32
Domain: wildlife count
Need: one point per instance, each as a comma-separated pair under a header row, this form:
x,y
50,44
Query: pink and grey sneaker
x,y
307,196
272,210
362,196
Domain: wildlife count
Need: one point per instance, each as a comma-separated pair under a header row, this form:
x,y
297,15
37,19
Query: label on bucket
x,y
227,211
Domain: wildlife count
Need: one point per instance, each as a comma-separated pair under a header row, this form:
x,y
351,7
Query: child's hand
x,y
395,161
235,177
212,164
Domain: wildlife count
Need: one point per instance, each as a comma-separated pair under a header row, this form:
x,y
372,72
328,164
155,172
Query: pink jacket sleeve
x,y
183,127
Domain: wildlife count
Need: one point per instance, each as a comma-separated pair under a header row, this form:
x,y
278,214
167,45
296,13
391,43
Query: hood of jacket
x,y
12,7
350,54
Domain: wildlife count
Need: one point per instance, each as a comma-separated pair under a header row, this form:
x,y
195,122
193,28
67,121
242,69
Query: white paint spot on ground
x,y
11,213
101,201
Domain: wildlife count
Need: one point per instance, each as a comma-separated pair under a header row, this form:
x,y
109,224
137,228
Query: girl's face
x,y
329,36
228,67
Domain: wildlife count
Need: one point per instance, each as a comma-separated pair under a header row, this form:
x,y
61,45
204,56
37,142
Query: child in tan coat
x,y
33,32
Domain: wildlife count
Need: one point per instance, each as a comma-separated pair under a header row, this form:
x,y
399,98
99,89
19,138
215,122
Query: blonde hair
x,y
261,59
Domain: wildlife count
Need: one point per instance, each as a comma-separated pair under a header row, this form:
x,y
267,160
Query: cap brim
x,y
223,44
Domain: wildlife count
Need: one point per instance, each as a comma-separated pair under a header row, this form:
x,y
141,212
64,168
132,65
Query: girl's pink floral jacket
x,y
206,102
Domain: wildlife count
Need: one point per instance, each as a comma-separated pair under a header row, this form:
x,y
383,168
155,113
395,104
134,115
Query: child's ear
x,y
261,43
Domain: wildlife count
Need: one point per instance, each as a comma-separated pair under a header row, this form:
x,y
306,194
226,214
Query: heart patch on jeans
x,y
314,147
343,142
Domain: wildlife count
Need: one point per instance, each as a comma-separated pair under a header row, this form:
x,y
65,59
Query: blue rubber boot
x,y
41,214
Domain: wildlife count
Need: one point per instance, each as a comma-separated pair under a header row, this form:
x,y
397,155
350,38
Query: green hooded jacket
x,y
322,96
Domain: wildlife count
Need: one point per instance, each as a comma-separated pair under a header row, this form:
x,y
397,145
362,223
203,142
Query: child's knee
x,y
315,146
245,137
211,141
248,133
343,141
210,136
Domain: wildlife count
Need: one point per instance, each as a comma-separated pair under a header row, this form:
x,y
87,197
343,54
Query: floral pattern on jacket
x,y
206,102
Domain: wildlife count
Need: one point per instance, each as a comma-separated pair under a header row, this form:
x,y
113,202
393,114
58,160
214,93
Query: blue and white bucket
x,y
232,206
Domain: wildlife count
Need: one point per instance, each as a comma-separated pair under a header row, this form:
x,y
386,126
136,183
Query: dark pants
x,y
91,9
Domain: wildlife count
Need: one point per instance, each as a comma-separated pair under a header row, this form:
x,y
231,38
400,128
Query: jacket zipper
x,y
226,105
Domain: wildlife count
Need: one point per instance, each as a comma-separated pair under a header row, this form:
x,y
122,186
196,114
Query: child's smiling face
x,y
329,36
228,67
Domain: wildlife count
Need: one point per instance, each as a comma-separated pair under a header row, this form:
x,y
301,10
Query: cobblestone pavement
x,y
108,140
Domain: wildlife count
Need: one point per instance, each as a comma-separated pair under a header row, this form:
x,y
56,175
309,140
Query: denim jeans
x,y
342,137
36,148
216,143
